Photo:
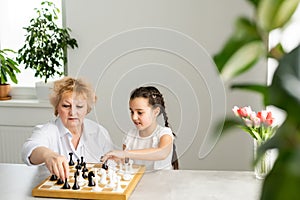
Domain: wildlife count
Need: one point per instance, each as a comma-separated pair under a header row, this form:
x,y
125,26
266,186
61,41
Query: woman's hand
x,y
56,164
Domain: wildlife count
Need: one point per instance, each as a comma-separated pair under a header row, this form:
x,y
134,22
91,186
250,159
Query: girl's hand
x,y
116,155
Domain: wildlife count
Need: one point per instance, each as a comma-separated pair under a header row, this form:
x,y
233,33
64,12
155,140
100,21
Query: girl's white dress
x,y
134,141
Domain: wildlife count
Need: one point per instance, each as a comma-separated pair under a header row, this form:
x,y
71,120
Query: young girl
x,y
149,143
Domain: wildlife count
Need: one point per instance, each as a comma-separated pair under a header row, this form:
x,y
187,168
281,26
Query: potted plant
x,y
8,69
46,44
246,46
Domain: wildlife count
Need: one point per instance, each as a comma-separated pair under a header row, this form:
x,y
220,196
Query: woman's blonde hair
x,y
76,87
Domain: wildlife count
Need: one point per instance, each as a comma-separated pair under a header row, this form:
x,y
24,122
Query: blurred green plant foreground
x,y
245,47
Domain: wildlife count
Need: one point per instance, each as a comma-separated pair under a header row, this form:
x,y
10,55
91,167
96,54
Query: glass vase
x,y
264,164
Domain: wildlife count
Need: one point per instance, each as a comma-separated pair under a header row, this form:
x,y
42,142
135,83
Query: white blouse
x,y
94,142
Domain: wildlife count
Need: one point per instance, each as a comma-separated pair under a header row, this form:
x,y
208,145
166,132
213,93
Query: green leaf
x,y
272,14
244,33
284,179
285,85
243,59
45,43
262,89
8,67
254,2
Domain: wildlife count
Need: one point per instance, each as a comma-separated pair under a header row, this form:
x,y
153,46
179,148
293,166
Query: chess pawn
x,y
96,188
113,176
126,177
60,182
118,187
103,179
80,178
111,181
53,177
71,162
66,185
121,167
75,186
130,166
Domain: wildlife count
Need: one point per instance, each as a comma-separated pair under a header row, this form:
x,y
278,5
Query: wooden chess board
x,y
48,188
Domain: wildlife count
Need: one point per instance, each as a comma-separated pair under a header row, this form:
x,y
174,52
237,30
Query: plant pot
x,y
43,90
4,92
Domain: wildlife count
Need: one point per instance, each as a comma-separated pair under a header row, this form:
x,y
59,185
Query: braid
x,y
156,100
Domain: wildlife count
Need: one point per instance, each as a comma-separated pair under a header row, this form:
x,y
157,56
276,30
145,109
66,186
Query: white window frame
x,y
14,18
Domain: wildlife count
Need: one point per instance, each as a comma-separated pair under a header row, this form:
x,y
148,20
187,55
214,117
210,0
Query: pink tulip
x,y
245,111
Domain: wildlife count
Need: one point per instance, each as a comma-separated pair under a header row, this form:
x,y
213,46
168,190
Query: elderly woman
x,y
51,143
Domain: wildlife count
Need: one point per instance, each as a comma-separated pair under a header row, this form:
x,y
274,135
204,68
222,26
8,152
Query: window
x,y
15,15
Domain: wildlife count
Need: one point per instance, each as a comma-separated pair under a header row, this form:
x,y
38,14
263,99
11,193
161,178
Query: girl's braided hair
x,y
156,100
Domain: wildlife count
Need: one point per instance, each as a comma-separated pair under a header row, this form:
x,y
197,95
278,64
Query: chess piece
x,y
53,177
75,186
81,163
66,185
130,166
80,179
90,179
59,182
84,170
127,175
78,166
103,176
96,188
121,167
111,179
104,165
118,187
71,162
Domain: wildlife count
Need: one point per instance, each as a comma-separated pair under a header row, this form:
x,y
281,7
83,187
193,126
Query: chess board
x,y
48,188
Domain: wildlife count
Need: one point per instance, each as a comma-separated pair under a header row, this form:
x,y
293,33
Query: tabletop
x,y
18,180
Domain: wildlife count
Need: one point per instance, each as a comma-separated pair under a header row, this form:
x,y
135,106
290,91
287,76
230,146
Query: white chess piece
x,y
111,180
80,178
130,166
126,175
103,176
121,167
118,187
96,188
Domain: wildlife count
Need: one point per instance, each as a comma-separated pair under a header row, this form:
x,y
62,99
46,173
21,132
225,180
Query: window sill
x,y
24,97
25,103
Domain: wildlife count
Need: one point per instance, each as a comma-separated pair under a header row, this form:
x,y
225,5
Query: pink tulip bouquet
x,y
258,125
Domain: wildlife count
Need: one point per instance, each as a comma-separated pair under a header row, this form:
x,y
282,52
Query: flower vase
x,y
264,164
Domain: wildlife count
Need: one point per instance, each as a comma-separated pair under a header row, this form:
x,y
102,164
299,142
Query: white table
x,y
17,181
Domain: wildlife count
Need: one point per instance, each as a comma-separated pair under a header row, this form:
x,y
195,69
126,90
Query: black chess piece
x,y
71,162
105,166
53,177
84,170
78,166
90,179
101,159
77,172
66,185
59,182
75,186
81,163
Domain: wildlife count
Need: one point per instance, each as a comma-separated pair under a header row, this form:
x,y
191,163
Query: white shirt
x,y
134,141
94,142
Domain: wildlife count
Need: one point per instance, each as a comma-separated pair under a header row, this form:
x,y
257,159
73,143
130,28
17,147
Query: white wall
x,y
125,44
17,118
